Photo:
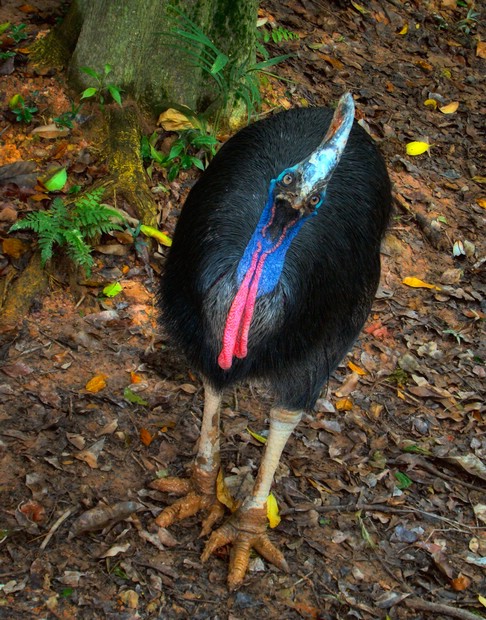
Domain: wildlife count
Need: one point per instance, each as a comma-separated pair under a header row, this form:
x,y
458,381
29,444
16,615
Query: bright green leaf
x,y
115,93
131,397
113,289
220,62
16,101
89,71
57,181
89,92
403,481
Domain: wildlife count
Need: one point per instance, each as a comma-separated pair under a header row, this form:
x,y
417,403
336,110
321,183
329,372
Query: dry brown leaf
x,y
14,247
103,515
334,62
348,386
481,49
460,583
146,437
91,454
51,131
188,388
223,494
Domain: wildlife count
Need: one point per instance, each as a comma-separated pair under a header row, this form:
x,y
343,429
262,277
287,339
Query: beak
x,y
318,168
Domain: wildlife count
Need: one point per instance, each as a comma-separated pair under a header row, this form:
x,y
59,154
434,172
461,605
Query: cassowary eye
x,y
288,179
314,200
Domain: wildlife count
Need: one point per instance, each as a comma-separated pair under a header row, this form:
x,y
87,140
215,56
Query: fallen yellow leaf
x,y
256,436
417,148
223,494
450,108
404,30
173,120
360,8
356,369
481,202
482,600
344,404
96,384
416,283
161,237
272,511
318,486
479,179
430,103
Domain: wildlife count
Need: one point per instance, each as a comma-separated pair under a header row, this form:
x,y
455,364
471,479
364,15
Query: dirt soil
x,y
382,491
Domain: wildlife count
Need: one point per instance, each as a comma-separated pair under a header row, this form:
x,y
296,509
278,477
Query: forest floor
x,y
382,491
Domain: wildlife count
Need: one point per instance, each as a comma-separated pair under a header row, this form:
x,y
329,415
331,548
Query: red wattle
x,y
235,336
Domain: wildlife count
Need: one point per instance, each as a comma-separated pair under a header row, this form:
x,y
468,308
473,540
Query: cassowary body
x,y
273,269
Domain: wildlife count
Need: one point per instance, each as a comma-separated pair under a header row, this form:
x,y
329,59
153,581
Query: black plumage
x,y
301,330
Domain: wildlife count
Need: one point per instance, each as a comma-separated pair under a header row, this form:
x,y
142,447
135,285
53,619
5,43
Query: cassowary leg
x,y
199,490
246,528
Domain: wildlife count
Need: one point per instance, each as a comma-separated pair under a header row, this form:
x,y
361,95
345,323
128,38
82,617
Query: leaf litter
x,y
380,493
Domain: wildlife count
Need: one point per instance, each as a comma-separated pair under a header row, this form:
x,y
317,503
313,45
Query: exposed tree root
x,y
126,166
28,287
438,608
431,234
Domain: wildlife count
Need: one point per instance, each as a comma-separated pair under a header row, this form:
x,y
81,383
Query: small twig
x,y
355,506
54,527
439,608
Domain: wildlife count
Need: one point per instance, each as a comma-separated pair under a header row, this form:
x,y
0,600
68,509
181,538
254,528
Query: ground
x,y
382,490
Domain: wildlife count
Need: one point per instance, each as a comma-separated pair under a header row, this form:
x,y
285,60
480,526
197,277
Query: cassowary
x,y
273,269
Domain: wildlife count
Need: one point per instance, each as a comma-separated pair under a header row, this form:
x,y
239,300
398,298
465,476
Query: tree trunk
x,y
150,67
148,62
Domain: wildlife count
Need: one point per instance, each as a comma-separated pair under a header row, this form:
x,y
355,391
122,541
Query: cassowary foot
x,y
246,530
199,495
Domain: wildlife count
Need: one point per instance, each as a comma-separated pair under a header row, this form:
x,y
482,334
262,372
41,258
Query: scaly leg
x,y
246,528
200,489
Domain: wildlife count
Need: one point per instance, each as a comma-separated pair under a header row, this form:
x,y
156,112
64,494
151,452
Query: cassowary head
x,y
302,187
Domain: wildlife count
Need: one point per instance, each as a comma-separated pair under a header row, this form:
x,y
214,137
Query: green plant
x,y
277,35
66,119
233,79
183,153
23,113
18,33
102,88
7,55
71,227
469,22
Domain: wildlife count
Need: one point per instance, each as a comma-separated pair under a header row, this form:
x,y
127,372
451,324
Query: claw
x,y
199,494
246,529
179,486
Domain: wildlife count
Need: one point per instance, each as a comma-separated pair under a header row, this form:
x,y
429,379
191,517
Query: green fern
x,y
232,79
71,227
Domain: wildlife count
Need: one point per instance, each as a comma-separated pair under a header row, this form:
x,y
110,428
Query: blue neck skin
x,y
276,249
